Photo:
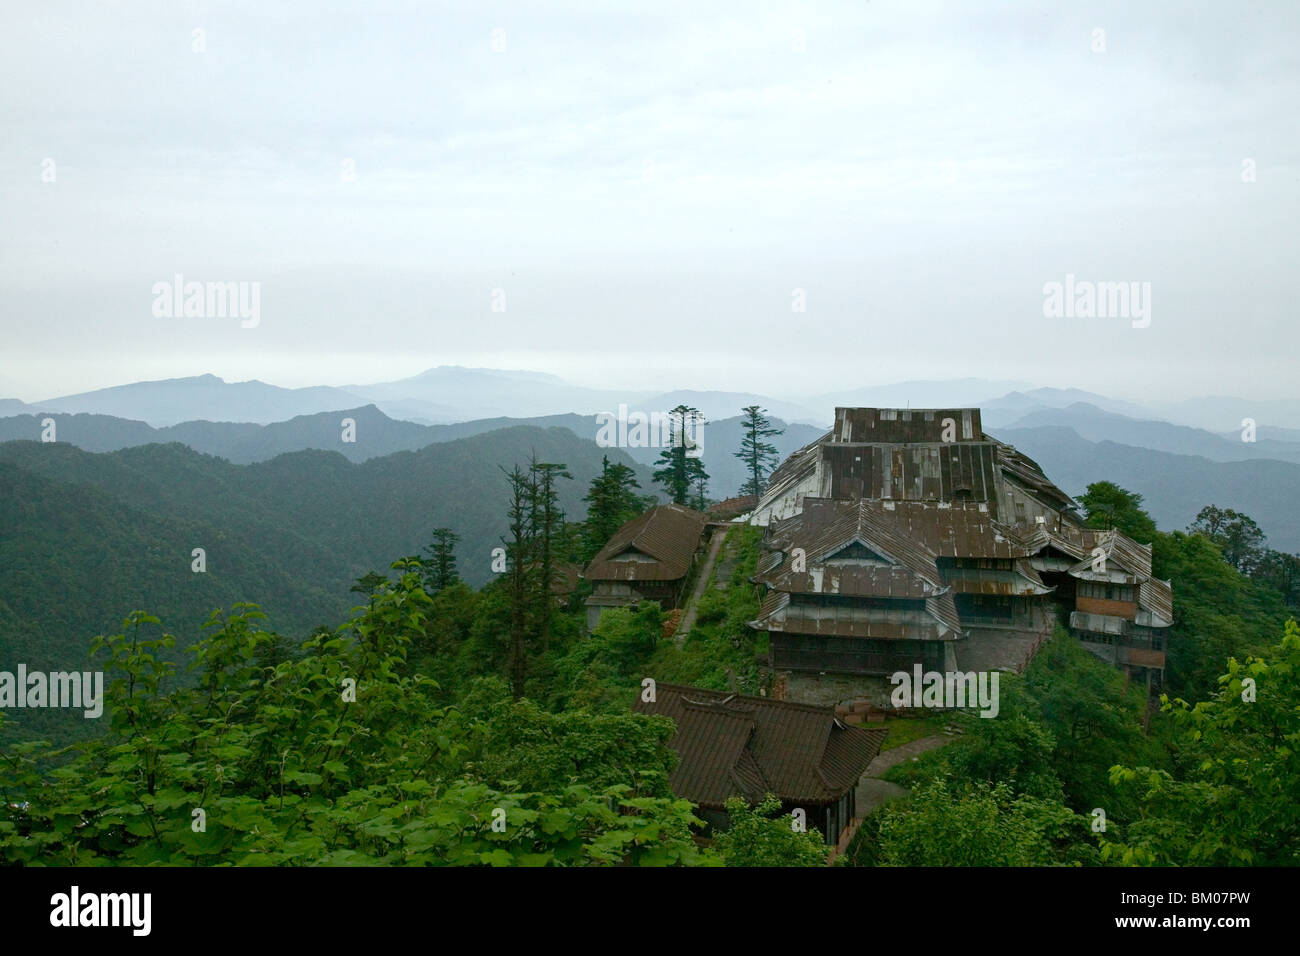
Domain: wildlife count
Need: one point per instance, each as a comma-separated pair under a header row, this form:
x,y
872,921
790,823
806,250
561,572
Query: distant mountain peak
x,y
446,371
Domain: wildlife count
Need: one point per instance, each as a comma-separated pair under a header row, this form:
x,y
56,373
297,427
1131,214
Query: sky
x,y
772,197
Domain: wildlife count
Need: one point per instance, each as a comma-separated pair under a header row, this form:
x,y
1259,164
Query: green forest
x,y
442,723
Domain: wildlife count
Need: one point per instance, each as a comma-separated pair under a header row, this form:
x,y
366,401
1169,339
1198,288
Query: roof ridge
x,y
746,697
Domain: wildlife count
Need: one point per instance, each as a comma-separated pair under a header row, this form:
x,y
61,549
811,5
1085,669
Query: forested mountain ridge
x,y
1094,424
85,538
375,434
1174,486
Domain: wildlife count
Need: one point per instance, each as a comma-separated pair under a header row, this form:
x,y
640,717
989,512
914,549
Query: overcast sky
x,y
648,185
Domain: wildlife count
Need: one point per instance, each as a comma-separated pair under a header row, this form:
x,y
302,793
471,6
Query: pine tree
x,y
440,571
759,456
680,465
546,522
701,494
610,503
519,555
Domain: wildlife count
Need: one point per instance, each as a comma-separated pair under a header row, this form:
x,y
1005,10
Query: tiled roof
x,y
731,745
567,577
658,545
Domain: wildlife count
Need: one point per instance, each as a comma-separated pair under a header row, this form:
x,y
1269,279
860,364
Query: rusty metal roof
x,y
1021,580
565,576
891,582
785,612
943,608
905,425
731,508
886,479
899,534
655,546
826,527
901,454
795,464
1155,603
731,745
1125,558
935,472
915,532
1068,539
1120,547
958,529
1026,472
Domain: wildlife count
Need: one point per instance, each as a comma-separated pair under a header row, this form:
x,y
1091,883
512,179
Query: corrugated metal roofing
x,y
827,526
731,745
1026,472
784,613
1024,580
1124,557
910,461
1156,598
935,472
793,470
666,534
731,508
905,424
1074,541
957,529
885,478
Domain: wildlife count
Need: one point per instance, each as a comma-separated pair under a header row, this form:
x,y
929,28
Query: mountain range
x,y
449,394
1174,486
375,434
442,395
252,422
85,538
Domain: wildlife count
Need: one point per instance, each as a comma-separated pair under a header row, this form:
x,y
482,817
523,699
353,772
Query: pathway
x,y
873,791
701,584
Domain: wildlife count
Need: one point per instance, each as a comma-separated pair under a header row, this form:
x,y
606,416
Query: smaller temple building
x,y
730,745
648,559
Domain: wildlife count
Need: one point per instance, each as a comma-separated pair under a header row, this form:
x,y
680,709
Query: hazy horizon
x,y
761,198
997,388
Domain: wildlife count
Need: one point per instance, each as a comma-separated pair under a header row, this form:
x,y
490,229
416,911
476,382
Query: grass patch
x,y
906,729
